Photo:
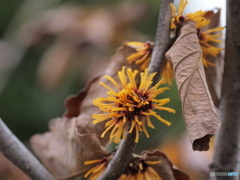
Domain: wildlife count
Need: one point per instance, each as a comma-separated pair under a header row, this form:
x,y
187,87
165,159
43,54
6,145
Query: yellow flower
x,y
198,17
130,107
202,22
167,73
96,171
178,18
205,38
143,171
143,54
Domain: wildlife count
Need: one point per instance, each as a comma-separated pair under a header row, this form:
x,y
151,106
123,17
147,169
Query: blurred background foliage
x,y
50,48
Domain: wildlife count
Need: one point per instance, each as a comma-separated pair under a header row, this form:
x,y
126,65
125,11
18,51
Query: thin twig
x,y
16,152
162,39
226,155
119,163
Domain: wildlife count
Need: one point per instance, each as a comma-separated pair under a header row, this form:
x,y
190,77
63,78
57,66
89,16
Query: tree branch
x,y
119,163
226,153
16,152
162,39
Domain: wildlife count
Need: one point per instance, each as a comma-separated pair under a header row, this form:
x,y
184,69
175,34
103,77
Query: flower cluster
x,y
207,48
178,18
142,55
130,107
206,38
96,171
138,169
167,73
141,171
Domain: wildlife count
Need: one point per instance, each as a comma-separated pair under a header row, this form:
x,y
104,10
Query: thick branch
x,y
227,147
162,39
16,152
119,163
120,160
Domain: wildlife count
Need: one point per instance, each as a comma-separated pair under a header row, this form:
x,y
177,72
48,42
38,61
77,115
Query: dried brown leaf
x,y
63,151
200,115
165,169
73,102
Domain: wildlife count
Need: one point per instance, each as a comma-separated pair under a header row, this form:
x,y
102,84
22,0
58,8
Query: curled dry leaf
x,y
165,169
199,113
73,138
73,102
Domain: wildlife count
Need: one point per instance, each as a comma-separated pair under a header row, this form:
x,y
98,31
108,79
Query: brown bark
x,y
162,39
226,153
18,154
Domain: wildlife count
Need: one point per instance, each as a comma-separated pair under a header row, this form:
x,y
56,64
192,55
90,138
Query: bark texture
x,y
226,153
16,152
120,161
162,39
